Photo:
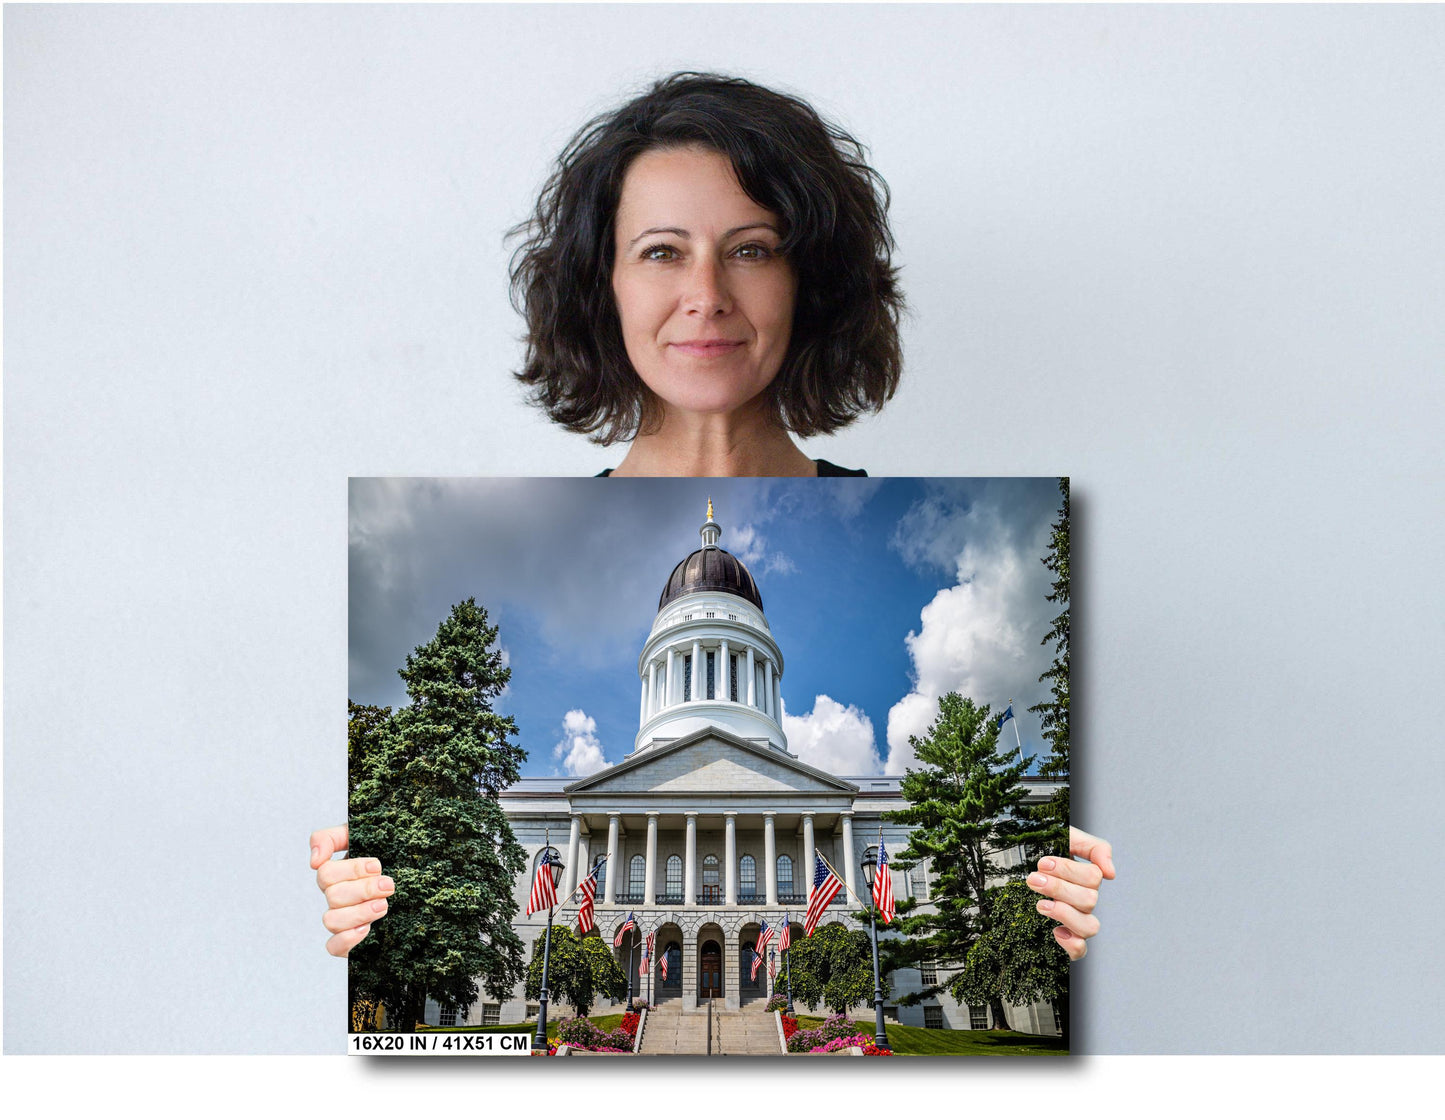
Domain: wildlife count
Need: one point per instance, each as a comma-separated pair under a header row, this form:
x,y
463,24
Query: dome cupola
x,y
710,568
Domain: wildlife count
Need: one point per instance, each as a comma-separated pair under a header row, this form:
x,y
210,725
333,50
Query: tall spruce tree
x,y
1053,815
424,802
966,809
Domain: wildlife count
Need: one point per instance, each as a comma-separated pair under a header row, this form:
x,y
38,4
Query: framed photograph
x,y
709,766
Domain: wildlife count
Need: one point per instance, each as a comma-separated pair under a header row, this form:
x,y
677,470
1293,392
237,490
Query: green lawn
x,y
606,1022
921,1040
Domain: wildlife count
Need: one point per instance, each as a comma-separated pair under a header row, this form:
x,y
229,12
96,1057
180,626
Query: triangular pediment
x,y
711,761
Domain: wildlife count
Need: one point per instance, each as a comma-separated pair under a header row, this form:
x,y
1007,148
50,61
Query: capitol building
x,y
709,824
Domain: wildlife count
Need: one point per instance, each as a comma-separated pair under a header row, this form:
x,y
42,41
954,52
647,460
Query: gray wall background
x,y
1194,257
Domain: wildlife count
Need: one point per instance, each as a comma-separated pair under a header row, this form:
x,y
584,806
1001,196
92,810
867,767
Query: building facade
x,y
710,825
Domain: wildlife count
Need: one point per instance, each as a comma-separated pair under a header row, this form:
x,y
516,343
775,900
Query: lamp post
x,y
788,963
880,1036
539,1040
631,949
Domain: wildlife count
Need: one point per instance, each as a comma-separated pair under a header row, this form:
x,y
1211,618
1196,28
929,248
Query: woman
x,y
707,274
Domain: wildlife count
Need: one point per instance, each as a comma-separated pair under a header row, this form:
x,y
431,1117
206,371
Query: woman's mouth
x,y
706,347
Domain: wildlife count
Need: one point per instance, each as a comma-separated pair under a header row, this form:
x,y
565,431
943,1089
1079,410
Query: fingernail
x,y
379,906
315,852
1046,864
1046,904
1038,880
386,884
373,867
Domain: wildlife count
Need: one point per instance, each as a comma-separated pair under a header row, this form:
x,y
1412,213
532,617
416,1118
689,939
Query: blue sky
x,y
882,593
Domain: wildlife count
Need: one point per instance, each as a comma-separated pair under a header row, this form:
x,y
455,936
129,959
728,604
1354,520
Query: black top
x,y
825,470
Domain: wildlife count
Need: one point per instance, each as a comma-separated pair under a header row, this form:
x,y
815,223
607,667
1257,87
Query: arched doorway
x,y
667,969
709,970
749,986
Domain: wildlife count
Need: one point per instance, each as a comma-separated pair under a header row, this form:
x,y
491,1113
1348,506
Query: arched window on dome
x,y
636,879
747,879
686,676
785,877
674,879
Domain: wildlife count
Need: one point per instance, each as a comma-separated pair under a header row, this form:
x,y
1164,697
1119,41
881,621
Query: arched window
x,y
673,955
637,878
711,892
674,878
600,865
785,876
537,859
747,879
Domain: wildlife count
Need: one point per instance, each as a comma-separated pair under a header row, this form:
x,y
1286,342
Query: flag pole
x,y
539,1040
788,961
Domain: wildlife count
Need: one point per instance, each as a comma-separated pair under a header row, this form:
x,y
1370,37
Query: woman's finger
x,y
344,918
1074,870
349,892
1085,925
1093,849
344,942
325,843
1083,899
1071,942
335,871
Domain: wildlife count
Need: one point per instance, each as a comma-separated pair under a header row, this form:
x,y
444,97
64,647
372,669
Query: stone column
x,y
642,706
732,970
770,854
778,698
752,678
569,879
614,858
654,703
768,689
849,875
725,672
668,699
651,879
809,857
730,854
697,671
689,868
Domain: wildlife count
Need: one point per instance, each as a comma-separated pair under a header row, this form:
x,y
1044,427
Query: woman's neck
x,y
693,445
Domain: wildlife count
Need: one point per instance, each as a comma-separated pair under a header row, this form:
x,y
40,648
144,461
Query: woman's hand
x,y
1072,888
356,890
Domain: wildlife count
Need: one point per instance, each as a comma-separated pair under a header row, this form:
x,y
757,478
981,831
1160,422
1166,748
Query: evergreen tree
x,y
834,967
579,969
424,801
1053,816
966,808
1017,957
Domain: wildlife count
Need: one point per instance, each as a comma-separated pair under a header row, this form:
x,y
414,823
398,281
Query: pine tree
x,y
424,802
1053,816
966,809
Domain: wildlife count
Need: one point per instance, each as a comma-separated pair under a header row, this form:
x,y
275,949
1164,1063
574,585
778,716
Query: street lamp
x,y
870,869
631,949
539,1040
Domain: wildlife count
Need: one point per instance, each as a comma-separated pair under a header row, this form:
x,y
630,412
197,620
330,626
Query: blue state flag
x,y
1008,714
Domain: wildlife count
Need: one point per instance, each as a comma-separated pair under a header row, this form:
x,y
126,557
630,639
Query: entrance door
x,y
710,970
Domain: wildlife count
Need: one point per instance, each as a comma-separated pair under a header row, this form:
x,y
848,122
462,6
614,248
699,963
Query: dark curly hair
x,y
844,355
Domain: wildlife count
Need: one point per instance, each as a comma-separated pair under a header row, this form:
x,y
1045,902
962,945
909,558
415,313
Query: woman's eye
x,y
659,253
753,251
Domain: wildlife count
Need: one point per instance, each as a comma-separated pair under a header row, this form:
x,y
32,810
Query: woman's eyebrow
x,y
682,233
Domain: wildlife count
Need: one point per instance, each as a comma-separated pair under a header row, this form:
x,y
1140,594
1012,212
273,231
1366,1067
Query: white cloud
x,y
832,737
980,638
751,547
579,750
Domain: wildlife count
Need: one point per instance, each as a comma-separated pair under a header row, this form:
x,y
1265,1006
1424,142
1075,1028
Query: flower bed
x,y
583,1034
836,1033
777,1002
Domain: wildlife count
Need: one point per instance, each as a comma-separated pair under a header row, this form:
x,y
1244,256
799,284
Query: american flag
x,y
883,884
757,963
588,890
773,965
825,886
627,925
544,891
765,935
786,937
662,965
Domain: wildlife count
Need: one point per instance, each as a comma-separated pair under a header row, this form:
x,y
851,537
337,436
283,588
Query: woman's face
x,y
705,300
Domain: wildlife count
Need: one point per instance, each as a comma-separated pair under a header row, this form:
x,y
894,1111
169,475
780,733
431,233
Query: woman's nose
x,y
707,290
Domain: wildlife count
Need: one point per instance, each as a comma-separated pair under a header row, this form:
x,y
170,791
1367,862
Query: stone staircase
x,y
670,1030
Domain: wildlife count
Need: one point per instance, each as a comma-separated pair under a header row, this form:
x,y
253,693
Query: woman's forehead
x,y
689,189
